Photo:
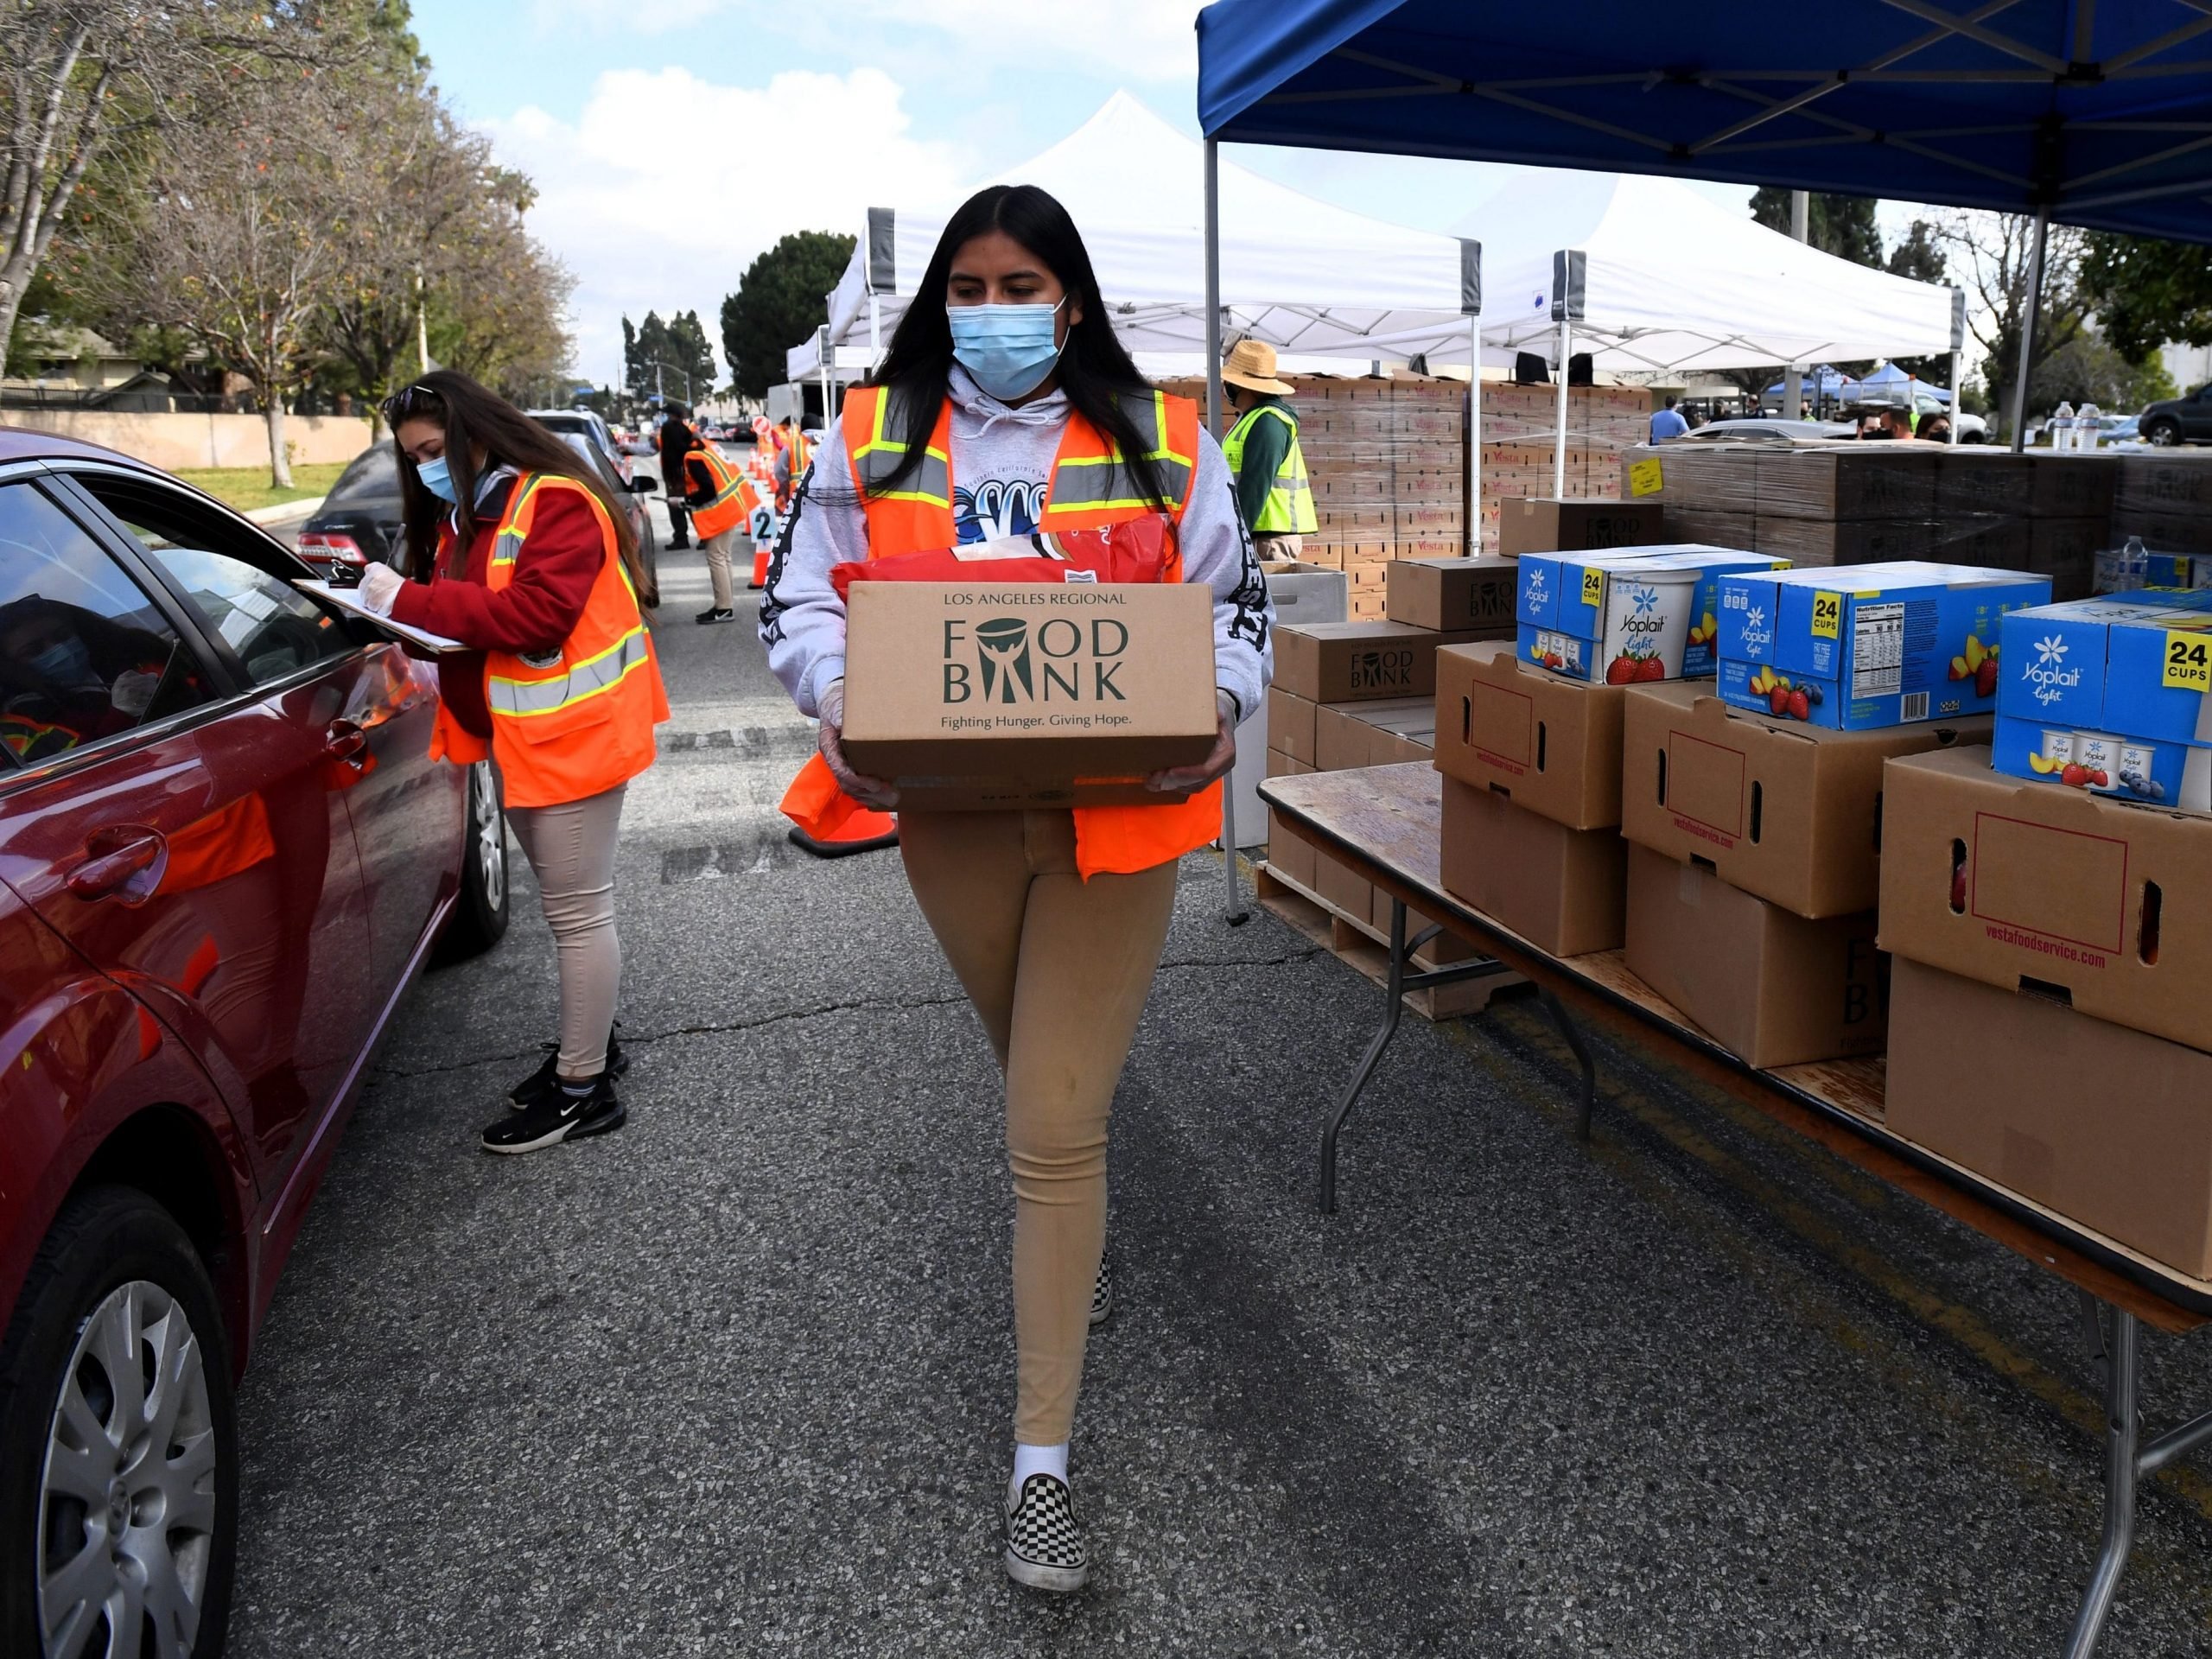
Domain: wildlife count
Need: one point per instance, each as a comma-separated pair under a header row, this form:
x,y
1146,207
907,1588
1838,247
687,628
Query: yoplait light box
x,y
1628,615
2112,695
1861,646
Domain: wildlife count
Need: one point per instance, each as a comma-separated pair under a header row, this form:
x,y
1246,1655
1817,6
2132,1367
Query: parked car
x,y
358,522
2179,420
1769,428
225,854
591,425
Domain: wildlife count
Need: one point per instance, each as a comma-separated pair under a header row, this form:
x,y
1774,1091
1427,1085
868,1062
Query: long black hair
x,y
1094,370
472,418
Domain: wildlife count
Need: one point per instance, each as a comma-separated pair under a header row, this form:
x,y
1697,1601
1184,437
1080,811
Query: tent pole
x,y
1559,450
2028,320
1236,913
1958,356
1474,437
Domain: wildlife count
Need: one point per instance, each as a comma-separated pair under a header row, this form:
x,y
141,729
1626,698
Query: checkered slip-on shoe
x,y
1043,1547
1102,1292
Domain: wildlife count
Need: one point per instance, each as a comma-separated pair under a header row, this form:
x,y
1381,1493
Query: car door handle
x,y
117,855
345,741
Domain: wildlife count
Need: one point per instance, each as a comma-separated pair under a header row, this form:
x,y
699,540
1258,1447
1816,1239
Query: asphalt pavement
x,y
739,1380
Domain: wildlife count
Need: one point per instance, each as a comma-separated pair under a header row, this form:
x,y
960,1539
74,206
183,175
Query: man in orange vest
x,y
794,454
721,501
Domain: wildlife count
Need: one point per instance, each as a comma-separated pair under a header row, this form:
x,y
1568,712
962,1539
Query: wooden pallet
x,y
1359,944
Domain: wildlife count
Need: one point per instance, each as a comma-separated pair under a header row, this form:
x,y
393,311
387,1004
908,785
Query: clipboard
x,y
344,600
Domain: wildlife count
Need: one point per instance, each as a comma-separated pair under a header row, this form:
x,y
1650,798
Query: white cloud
x,y
656,200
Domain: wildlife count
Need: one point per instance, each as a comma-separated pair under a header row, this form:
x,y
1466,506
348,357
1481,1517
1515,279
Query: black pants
x,y
679,522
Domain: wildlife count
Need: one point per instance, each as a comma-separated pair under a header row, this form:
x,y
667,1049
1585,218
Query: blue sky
x,y
672,143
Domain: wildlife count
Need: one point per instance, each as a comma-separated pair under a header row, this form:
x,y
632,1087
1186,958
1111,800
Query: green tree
x,y
779,301
1842,225
2146,293
671,359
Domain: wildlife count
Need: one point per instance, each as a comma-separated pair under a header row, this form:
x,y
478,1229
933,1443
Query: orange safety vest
x,y
1090,486
578,720
735,498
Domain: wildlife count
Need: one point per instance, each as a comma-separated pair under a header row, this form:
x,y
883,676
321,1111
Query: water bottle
x,y
2086,433
2061,426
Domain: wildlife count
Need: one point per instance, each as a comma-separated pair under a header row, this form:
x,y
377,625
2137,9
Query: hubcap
x,y
127,1501
491,835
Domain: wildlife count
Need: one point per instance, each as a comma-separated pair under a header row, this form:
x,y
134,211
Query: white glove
x,y
380,585
869,791
133,692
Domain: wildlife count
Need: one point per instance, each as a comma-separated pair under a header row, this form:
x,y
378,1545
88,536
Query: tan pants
x,y
571,848
1283,546
1058,969
719,550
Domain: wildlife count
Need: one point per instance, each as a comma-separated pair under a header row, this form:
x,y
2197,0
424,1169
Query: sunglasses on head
x,y
411,401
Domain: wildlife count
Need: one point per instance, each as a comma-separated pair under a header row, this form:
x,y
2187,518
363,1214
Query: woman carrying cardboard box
x,y
1006,405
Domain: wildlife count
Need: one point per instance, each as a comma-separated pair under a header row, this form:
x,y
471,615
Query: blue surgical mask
x,y
438,479
64,663
1008,348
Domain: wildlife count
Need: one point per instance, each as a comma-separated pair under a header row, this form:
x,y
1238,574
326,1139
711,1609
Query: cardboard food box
x,y
2073,486
1880,644
971,696
1550,524
1841,482
1565,891
1630,616
1851,541
1789,812
2112,694
1286,853
1975,478
2104,903
1292,725
1771,988
2104,1125
1452,592
1353,734
1552,745
1352,894
1349,662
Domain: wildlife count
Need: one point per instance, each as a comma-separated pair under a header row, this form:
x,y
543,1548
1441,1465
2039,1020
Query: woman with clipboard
x,y
517,552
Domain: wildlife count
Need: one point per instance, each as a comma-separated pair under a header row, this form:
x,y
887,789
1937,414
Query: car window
x,y
372,476
275,629
596,460
85,652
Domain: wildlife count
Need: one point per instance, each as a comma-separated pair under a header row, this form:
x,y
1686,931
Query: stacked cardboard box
x,y
2050,1029
1755,870
2165,497
1861,503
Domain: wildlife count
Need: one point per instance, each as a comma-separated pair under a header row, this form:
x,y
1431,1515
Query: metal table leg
x,y
1566,1029
2120,1469
1397,982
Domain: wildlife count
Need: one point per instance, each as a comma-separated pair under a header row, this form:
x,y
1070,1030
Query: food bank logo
x,y
2048,673
1004,660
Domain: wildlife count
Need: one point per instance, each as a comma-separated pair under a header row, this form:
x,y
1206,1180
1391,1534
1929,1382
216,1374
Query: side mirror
x,y
643,484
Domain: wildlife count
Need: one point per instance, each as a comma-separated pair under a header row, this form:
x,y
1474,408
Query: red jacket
x,y
553,574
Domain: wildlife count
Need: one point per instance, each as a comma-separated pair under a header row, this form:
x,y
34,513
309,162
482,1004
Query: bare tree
x,y
1989,255
246,236
76,75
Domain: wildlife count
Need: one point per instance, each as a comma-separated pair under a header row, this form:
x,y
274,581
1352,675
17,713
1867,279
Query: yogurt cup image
x,y
1648,616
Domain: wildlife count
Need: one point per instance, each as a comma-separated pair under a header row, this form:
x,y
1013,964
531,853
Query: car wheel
x,y
480,915
119,1452
2164,432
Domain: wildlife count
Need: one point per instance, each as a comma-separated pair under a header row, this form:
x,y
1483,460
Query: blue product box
x,y
1868,644
1626,613
2120,686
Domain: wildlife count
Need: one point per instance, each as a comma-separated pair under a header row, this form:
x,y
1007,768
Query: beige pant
x,y
571,848
1283,546
719,550
1058,969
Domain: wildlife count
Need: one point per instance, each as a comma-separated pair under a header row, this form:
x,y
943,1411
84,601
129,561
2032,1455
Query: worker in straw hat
x,y
1262,452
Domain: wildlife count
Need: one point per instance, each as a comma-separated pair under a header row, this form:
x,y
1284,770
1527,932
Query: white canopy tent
x,y
1313,280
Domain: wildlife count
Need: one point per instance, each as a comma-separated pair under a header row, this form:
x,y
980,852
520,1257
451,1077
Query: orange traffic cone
x,y
759,567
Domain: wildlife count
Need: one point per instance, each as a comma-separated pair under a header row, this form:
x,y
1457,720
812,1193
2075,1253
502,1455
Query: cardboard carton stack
x,y
1867,503
2050,1028
2165,497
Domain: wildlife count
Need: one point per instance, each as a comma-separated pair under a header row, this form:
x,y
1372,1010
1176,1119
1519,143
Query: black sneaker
x,y
715,613
679,547
1044,1547
547,1078
1102,1292
559,1116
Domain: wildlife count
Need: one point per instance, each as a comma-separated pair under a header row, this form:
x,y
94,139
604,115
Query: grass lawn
x,y
247,487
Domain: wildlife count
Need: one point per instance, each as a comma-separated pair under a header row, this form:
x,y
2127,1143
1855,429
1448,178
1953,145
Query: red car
x,y
224,856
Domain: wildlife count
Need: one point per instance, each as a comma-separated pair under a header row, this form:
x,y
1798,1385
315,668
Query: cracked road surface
x,y
739,1380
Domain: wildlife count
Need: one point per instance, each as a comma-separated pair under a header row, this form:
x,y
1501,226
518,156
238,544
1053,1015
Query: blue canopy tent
x,y
2092,112
1891,382
2095,113
1825,384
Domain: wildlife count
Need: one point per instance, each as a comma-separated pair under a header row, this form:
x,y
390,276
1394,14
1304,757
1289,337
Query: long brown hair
x,y
474,418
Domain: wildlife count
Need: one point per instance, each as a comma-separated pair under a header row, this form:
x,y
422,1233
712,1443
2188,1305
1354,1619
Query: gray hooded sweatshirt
x,y
1001,465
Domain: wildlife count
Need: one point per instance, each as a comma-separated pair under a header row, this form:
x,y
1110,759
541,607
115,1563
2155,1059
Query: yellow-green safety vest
x,y
1288,510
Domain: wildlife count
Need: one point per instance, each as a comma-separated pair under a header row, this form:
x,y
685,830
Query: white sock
x,y
1040,1460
